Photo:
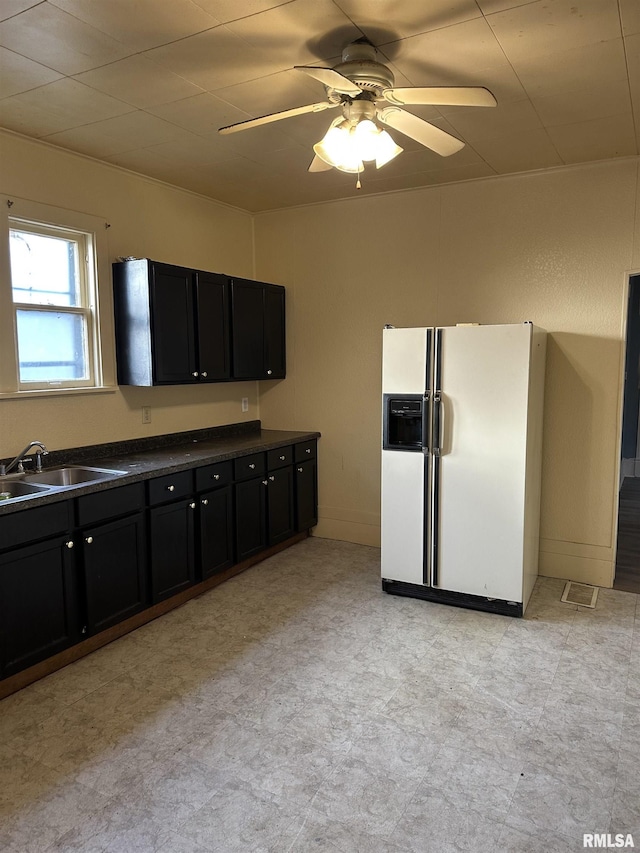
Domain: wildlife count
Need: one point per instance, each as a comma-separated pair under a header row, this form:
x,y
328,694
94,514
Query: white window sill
x,y
57,392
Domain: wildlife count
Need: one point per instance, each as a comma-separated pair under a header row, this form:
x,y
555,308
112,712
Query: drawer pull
x,y
205,502
69,544
300,470
269,372
171,488
204,374
252,465
216,476
272,478
265,482
195,373
192,505
308,450
89,540
282,458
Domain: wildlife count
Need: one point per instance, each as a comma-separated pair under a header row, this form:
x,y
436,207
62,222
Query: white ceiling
x,y
145,84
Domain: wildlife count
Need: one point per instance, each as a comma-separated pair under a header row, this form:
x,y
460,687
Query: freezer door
x,y
405,360
403,514
479,505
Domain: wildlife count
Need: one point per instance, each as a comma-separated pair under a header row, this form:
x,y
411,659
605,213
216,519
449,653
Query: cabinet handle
x,y
192,505
265,482
252,465
205,502
204,374
272,478
269,372
89,540
282,458
195,373
308,450
69,544
216,476
300,470
171,488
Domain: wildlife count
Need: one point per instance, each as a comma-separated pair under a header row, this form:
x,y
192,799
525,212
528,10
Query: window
x,y
54,318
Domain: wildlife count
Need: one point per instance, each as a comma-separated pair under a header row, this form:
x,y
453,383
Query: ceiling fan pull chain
x,y
358,184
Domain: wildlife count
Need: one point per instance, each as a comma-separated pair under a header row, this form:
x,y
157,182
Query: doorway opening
x,y
627,569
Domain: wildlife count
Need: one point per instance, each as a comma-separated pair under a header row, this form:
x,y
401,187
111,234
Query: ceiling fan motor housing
x,y
359,65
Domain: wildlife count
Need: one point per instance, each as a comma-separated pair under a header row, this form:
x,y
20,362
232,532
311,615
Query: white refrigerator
x,y
461,459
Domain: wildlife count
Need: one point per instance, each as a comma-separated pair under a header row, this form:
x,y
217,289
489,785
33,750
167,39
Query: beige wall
x,y
147,219
552,247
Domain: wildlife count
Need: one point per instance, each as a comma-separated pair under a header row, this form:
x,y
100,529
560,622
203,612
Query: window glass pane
x,y
51,346
44,270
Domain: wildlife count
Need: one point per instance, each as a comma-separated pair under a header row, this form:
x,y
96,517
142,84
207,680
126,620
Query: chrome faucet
x,y
19,460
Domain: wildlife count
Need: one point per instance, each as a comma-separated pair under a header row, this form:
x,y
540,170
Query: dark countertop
x,y
142,459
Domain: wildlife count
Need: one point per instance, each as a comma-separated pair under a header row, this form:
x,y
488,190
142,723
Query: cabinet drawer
x,y
279,458
30,525
109,504
170,487
212,476
305,450
249,466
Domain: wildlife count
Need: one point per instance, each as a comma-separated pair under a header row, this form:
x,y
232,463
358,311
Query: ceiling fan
x,y
363,88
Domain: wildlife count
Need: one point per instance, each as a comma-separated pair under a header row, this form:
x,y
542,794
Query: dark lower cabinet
x,y
306,488
105,556
114,563
215,524
251,529
280,515
172,562
38,603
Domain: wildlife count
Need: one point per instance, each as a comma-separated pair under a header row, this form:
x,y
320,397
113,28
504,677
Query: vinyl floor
x,y
299,708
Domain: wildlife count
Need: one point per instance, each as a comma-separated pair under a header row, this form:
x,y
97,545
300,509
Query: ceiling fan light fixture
x,y
347,147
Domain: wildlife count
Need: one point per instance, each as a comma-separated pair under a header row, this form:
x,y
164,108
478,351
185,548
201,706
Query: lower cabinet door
x,y
306,495
114,560
171,531
251,536
280,505
38,603
216,531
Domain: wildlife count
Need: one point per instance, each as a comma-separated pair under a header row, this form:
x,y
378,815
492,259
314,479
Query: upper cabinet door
x,y
274,332
247,312
212,313
258,330
173,326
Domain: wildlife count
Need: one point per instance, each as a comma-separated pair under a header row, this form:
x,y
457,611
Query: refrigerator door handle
x,y
426,408
437,423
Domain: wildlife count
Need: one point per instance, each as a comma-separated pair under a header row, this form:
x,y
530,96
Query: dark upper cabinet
x,y
257,330
172,324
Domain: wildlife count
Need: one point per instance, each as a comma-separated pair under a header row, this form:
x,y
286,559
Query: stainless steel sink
x,y
19,489
71,475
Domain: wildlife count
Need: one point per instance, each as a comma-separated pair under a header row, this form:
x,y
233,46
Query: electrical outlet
x,y
245,404
146,414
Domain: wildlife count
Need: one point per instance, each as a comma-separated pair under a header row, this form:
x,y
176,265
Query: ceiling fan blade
x,y
462,96
318,165
296,111
331,78
417,128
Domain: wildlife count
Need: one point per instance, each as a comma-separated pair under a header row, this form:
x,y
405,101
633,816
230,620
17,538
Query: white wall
x,y
147,219
552,247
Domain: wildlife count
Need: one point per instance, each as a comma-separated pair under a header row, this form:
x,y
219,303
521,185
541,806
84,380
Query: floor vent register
x,y
581,594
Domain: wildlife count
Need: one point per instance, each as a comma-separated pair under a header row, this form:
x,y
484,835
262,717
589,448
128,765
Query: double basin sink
x,y
39,483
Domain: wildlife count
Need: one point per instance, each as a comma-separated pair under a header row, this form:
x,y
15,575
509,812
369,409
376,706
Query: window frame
x,y
96,296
